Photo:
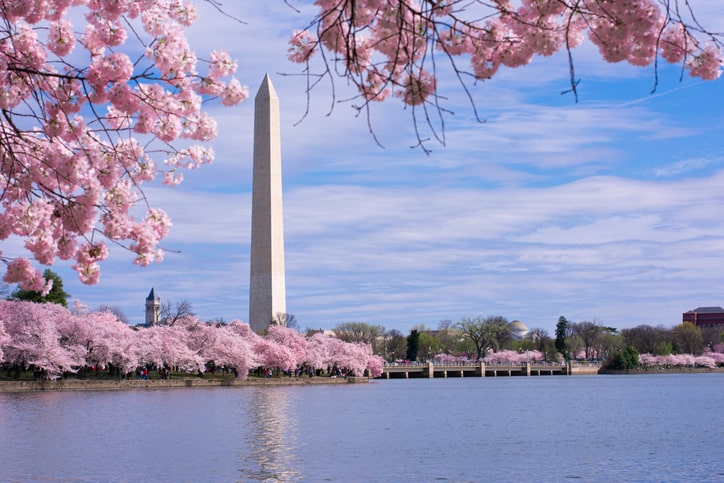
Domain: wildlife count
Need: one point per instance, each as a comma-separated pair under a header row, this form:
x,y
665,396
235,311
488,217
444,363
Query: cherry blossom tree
x,y
450,359
97,98
319,350
399,48
513,357
100,97
111,342
375,364
240,352
3,339
708,359
718,357
224,347
272,355
168,345
295,342
324,351
34,340
52,340
89,333
352,356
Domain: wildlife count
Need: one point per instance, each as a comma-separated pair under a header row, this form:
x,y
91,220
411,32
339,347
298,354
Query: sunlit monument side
x,y
267,292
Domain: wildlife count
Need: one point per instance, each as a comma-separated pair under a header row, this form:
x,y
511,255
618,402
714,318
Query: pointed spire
x,y
266,89
267,291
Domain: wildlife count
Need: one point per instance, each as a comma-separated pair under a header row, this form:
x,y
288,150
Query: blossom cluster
x,y
708,359
51,338
500,357
86,123
386,45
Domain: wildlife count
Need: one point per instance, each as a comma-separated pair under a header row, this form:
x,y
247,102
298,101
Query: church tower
x,y
267,290
153,308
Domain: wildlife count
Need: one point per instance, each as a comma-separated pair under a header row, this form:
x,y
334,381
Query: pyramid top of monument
x,y
266,89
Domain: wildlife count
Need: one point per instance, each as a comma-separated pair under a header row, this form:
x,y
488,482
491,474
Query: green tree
x,y
561,333
574,345
56,295
665,348
428,346
609,342
688,339
413,345
625,360
486,334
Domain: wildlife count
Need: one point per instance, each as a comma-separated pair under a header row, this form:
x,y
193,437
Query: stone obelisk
x,y
267,292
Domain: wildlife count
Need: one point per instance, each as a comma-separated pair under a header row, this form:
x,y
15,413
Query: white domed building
x,y
518,329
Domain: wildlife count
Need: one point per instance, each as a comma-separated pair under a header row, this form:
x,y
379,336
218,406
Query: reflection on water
x,y
271,438
588,429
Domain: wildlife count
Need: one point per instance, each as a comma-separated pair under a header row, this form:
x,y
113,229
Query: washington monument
x,y
267,292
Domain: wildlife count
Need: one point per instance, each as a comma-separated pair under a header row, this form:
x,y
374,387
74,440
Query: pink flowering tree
x,y
98,97
3,339
399,48
223,347
717,357
375,364
708,360
319,351
350,356
34,340
272,355
240,352
450,359
88,333
513,357
295,342
168,345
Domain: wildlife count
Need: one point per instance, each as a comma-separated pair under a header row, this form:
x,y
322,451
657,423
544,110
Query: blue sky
x,y
609,209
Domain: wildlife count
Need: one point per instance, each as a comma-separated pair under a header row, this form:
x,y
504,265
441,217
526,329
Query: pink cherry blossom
x,y
301,46
64,181
4,338
406,35
273,355
295,342
34,339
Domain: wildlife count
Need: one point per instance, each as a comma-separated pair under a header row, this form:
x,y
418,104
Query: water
x,y
579,428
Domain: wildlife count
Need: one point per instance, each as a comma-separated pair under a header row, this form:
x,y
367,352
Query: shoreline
x,y
66,385
69,385
657,370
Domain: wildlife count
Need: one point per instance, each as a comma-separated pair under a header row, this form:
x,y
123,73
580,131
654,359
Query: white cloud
x,y
549,208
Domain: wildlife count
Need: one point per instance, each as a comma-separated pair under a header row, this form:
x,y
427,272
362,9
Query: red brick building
x,y
705,317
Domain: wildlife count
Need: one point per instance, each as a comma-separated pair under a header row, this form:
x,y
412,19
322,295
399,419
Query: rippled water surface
x,y
579,428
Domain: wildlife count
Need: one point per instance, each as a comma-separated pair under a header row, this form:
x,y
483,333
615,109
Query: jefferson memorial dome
x,y
518,329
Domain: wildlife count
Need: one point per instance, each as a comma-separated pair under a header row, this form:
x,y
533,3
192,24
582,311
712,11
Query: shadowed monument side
x,y
267,290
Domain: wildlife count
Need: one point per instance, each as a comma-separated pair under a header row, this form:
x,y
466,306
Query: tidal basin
x,y
659,427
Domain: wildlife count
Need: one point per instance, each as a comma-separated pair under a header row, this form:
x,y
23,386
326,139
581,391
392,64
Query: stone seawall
x,y
584,369
95,385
